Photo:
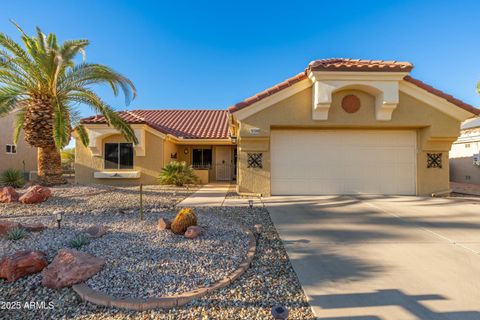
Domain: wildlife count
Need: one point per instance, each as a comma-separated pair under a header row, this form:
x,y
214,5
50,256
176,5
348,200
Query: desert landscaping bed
x,y
269,281
99,199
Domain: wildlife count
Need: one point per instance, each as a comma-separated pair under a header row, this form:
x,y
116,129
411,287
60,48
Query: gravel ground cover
x,y
270,281
142,262
99,199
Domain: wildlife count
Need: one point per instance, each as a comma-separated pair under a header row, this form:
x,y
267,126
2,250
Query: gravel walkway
x,y
270,281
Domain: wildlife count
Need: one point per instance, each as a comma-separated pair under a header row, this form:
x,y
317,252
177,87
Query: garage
x,y
330,162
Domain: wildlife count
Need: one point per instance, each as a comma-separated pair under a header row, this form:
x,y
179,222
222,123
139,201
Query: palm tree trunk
x,y
50,166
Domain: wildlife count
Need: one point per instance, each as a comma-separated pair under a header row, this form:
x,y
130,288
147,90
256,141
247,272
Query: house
x,y
341,126
464,156
20,156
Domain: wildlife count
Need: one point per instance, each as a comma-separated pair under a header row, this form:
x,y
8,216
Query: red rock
x,y
35,194
70,267
96,231
8,195
193,232
21,264
163,224
6,226
33,227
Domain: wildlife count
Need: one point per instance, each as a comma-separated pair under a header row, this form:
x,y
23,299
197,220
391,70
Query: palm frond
x,y
18,124
82,134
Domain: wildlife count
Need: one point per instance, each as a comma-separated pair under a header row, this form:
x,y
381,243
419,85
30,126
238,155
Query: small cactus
x,y
16,234
185,218
79,241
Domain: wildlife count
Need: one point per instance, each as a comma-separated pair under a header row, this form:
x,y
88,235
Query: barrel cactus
x,y
184,219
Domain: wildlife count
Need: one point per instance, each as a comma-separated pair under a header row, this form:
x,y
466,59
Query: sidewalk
x,y
210,195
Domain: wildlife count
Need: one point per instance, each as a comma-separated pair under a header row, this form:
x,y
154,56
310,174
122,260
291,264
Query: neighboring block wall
x,y
435,133
149,165
25,153
462,168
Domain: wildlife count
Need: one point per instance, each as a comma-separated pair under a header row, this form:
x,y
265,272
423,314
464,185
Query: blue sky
x,y
211,54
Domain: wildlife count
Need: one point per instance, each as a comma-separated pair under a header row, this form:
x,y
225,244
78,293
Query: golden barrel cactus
x,y
185,218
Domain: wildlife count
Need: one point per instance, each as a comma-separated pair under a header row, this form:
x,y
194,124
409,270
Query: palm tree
x,y
44,86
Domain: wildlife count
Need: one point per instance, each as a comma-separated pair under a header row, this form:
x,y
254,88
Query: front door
x,y
223,163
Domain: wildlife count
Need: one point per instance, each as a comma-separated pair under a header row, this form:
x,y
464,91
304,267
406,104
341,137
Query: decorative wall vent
x,y
434,160
255,160
351,103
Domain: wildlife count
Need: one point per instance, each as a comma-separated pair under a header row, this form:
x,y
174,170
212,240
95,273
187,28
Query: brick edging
x,y
177,300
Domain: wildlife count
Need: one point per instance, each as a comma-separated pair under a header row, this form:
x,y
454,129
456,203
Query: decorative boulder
x,y
70,267
6,226
95,232
193,232
185,218
8,195
33,227
35,194
163,224
21,264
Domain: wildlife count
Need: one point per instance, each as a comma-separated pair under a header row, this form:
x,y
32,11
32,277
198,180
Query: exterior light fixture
x,y
233,139
58,217
280,313
250,203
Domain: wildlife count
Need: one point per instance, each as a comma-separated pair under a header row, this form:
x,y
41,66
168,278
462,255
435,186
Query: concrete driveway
x,y
369,258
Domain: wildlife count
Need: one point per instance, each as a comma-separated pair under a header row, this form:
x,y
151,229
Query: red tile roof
x,y
277,88
443,95
188,124
340,64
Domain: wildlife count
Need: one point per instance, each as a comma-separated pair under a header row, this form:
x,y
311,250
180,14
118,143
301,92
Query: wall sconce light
x,y
185,151
250,204
233,139
173,155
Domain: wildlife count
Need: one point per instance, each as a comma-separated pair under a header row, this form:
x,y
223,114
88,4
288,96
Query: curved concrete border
x,y
178,300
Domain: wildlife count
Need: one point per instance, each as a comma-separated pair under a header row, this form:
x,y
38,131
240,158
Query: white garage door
x,y
307,162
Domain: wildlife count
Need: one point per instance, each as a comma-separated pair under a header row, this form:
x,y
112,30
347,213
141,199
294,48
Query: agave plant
x,y
177,173
16,234
12,178
44,86
79,241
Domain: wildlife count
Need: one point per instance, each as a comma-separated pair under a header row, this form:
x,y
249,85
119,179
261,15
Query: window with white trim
x,y
11,149
118,156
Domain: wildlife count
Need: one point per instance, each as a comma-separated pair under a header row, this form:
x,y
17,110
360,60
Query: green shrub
x,y
12,178
178,173
79,241
16,234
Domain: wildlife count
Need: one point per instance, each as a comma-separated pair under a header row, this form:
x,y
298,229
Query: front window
x,y
118,156
202,158
11,149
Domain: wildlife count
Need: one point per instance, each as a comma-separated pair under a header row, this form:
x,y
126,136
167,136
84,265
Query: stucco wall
x,y
435,133
149,165
462,168
25,153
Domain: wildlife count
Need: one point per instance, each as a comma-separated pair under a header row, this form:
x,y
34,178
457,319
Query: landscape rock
x,y
70,267
8,195
193,232
163,224
21,264
33,227
95,232
35,194
6,226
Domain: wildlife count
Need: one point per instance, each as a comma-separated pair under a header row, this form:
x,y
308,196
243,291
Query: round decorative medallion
x,y
351,103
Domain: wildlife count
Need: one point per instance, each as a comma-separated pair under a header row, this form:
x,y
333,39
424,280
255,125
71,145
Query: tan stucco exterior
x,y
159,151
435,133
26,156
